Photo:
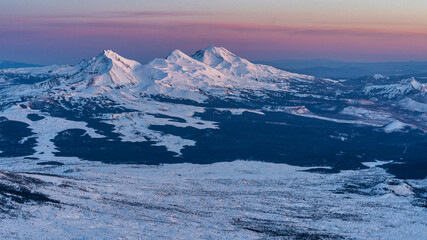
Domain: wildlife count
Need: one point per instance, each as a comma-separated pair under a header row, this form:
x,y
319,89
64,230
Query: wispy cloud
x,y
88,16
133,14
348,31
167,25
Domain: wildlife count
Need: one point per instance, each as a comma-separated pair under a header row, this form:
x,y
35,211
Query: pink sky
x,y
67,35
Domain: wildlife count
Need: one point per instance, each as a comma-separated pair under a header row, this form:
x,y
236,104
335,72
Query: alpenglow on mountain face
x,y
179,108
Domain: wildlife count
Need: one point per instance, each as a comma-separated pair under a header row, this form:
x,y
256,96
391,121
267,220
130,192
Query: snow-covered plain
x,y
46,129
235,200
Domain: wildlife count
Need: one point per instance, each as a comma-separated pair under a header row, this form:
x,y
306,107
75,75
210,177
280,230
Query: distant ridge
x,y
9,64
341,69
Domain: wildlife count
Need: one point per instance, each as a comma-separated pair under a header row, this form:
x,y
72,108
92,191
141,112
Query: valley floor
x,y
235,200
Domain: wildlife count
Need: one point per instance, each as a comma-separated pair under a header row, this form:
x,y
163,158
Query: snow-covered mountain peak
x,y
235,66
417,85
176,55
215,56
183,62
219,52
109,59
109,68
110,54
181,76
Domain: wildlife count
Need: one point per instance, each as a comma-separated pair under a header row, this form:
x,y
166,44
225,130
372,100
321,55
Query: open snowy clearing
x,y
236,200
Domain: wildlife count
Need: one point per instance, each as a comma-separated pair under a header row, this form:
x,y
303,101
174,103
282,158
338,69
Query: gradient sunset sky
x,y
52,31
